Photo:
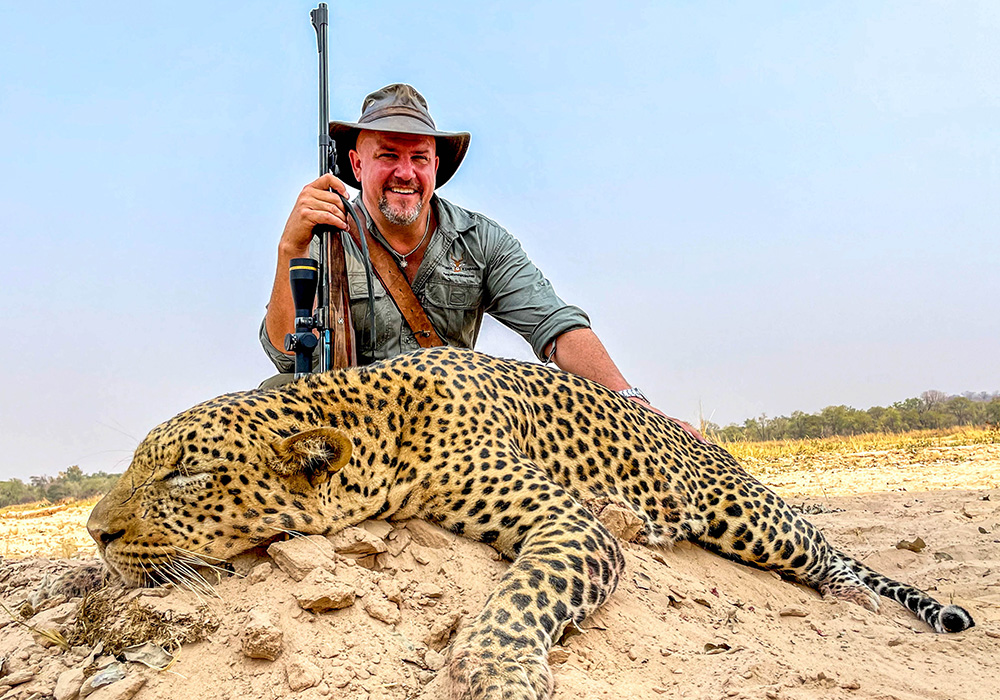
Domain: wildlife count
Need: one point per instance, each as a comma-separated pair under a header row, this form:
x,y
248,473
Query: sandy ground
x,y
683,624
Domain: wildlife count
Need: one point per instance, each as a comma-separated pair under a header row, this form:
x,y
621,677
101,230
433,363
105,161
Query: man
x,y
458,263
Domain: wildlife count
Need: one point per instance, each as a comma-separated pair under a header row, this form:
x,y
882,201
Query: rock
x,y
851,685
421,554
54,618
340,677
110,674
302,673
916,545
262,639
426,589
120,690
391,588
975,510
622,522
319,591
18,677
68,685
792,612
379,528
434,660
442,629
356,542
381,609
148,654
300,555
259,573
397,541
558,655
429,535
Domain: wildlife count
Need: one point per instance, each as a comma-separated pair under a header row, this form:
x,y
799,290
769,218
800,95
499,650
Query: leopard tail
x,y
943,618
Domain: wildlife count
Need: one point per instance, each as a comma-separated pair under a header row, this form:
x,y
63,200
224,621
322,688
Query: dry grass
x,y
912,442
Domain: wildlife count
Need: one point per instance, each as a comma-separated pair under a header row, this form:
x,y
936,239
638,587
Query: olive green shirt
x,y
472,265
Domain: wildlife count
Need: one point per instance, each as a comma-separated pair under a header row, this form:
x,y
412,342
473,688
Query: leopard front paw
x,y
481,672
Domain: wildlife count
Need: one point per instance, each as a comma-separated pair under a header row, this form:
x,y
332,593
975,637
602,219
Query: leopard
x,y
518,455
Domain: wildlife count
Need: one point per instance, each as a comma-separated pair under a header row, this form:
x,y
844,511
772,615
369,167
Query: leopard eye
x,y
182,479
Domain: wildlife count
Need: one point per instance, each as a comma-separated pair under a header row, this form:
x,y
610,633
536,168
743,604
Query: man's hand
x,y
686,427
315,205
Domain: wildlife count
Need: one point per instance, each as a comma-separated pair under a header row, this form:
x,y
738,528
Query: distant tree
x,y
73,473
930,399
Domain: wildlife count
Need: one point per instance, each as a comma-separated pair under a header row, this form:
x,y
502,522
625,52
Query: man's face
x,y
396,172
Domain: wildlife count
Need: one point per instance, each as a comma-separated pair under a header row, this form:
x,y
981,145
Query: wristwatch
x,y
633,393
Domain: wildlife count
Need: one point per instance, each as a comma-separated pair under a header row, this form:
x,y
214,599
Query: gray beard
x,y
396,218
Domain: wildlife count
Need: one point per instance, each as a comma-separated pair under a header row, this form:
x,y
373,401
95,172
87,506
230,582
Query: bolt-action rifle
x,y
323,283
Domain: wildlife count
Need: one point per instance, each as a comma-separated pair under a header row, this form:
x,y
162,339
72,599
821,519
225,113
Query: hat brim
x,y
451,146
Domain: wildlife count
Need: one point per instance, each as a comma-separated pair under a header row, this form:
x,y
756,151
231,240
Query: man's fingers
x,y
325,217
329,181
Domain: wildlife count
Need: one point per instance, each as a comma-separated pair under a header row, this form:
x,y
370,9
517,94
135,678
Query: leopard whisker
x,y
193,580
193,560
200,555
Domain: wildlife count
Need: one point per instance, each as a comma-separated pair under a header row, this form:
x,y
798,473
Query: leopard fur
x,y
503,452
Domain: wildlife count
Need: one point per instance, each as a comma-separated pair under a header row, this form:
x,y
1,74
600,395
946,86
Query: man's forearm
x,y
581,352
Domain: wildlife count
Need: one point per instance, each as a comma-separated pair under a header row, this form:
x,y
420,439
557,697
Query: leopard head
x,y
210,483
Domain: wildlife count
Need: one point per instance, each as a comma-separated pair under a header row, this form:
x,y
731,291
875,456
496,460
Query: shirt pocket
x,y
454,309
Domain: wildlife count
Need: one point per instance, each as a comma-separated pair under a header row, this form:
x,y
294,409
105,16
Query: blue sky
x,y
763,207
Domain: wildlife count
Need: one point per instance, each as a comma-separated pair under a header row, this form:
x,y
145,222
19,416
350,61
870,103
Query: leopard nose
x,y
100,528
104,538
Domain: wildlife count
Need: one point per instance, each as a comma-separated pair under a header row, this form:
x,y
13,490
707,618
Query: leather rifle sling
x,y
395,282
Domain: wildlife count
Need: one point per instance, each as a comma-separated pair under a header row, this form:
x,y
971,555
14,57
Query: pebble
x,y
622,522
792,612
302,673
339,677
429,535
851,685
442,629
260,573
357,542
426,589
109,675
381,609
262,639
435,660
122,690
18,677
68,685
391,589
379,528
319,591
300,555
558,655
632,654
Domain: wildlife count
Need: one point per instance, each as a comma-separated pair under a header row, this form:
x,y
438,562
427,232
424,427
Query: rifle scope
x,y
303,275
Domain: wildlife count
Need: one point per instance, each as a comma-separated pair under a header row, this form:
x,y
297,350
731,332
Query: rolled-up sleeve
x,y
284,363
520,297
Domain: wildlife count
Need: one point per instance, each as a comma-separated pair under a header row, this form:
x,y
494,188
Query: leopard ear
x,y
312,452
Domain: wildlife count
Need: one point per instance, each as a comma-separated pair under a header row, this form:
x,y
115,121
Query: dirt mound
x,y
369,613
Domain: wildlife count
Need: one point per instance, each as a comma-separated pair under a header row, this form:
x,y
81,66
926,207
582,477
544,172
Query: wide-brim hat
x,y
400,109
